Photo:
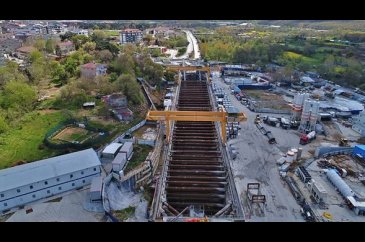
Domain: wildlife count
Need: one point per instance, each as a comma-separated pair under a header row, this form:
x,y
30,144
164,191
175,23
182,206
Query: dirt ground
x,y
67,133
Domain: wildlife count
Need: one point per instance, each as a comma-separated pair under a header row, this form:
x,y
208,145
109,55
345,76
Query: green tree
x,y
129,86
35,56
104,56
67,36
79,40
39,44
37,71
124,64
89,47
98,34
19,95
10,72
50,46
58,71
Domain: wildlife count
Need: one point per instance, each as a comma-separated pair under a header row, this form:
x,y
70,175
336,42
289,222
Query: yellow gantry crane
x,y
190,68
199,116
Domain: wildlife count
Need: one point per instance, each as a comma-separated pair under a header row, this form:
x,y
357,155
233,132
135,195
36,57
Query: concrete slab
x,y
69,209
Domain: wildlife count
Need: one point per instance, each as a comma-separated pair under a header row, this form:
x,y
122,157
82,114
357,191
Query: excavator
x,y
343,142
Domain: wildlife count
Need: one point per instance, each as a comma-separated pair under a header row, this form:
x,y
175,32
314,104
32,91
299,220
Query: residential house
x,y
65,48
80,32
91,70
25,50
9,45
130,36
118,104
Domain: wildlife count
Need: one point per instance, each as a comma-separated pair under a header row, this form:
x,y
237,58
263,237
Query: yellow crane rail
x,y
190,68
198,116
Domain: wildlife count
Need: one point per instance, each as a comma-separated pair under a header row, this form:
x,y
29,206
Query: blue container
x,y
359,150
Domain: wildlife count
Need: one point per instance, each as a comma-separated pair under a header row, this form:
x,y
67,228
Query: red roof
x,y
89,65
67,43
131,30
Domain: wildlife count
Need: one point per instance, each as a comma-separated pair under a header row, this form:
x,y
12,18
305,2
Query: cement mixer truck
x,y
307,138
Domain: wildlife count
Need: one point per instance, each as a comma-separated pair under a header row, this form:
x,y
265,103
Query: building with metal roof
x,y
111,150
26,183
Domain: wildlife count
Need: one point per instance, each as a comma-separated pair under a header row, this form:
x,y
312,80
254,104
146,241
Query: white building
x,y
130,36
317,190
27,183
358,123
127,148
80,32
111,150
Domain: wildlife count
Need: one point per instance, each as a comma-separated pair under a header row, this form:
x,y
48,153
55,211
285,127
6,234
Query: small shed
x,y
96,188
119,162
127,149
111,150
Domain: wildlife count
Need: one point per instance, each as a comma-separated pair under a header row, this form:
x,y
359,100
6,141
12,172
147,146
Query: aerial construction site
x,y
163,125
196,180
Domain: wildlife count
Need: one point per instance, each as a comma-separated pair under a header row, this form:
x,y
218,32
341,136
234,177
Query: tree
x,y
39,44
50,46
58,71
98,34
104,86
129,86
35,56
104,56
170,75
37,71
89,47
10,72
67,36
19,95
79,40
124,64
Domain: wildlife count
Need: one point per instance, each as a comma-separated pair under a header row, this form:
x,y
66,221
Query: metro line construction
x,y
197,180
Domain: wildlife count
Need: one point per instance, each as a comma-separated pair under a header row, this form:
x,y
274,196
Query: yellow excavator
x,y
344,142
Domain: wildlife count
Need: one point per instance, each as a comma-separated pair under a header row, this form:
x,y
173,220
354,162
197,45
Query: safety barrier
x,y
103,134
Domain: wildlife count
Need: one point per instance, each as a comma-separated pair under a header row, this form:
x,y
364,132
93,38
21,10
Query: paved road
x,y
256,162
193,46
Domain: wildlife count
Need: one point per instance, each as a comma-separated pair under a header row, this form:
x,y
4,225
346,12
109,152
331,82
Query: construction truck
x,y
344,142
284,123
307,138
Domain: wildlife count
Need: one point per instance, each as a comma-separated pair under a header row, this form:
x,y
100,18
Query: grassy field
x,y
111,33
140,153
22,142
306,59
